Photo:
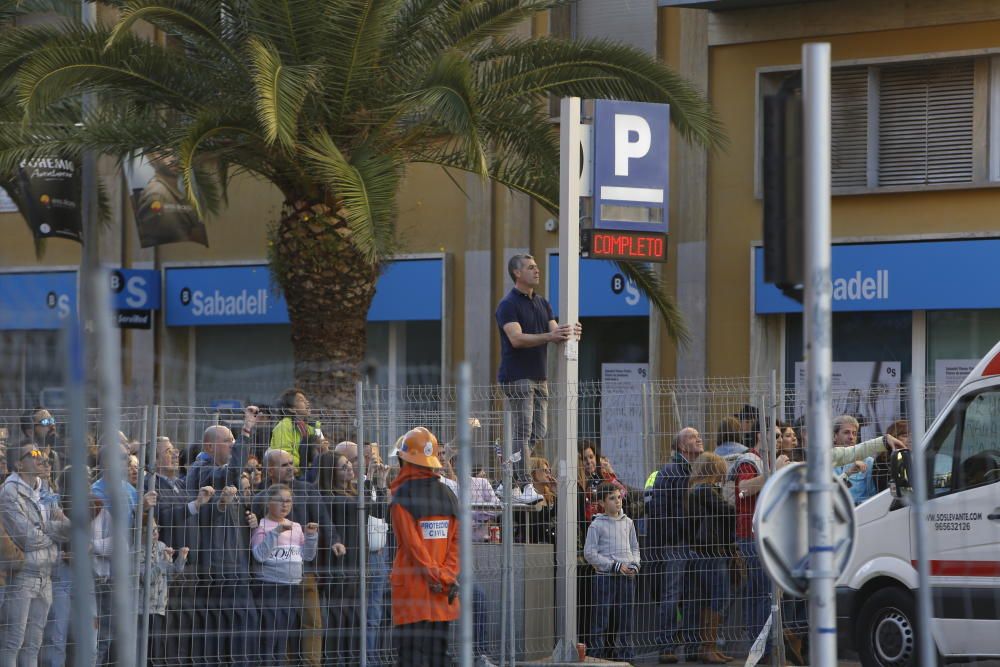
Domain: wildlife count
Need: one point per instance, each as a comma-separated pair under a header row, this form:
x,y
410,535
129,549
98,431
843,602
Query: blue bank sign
x,y
604,290
44,300
407,290
631,165
932,275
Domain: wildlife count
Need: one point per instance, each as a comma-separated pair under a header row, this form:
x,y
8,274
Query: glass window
x,y
979,450
875,336
980,442
255,364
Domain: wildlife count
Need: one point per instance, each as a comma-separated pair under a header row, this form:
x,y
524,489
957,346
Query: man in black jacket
x,y
669,542
221,553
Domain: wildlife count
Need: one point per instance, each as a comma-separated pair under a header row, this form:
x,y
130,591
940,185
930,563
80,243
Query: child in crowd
x,y
613,549
165,563
280,546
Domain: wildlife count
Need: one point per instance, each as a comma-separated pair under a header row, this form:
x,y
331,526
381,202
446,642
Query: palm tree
x,y
329,100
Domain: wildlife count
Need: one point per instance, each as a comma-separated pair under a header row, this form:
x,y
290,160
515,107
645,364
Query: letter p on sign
x,y
631,160
632,140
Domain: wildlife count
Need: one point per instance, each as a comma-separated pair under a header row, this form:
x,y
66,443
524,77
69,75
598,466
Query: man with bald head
x,y
668,540
226,617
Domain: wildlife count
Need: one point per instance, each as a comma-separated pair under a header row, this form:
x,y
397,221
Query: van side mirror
x,y
899,473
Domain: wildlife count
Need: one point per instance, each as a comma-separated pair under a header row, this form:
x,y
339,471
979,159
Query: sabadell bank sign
x,y
234,295
922,275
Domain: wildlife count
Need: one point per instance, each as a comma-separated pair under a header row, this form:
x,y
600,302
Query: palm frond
x,y
131,66
446,101
649,284
281,92
196,21
366,186
597,69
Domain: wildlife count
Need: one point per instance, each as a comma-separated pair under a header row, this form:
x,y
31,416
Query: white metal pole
x,y
567,376
926,655
466,572
362,526
818,352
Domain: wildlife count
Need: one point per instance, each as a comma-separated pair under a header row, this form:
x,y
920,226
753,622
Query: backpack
x,y
733,462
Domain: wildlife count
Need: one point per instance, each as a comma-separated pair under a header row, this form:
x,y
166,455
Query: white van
x,y
875,596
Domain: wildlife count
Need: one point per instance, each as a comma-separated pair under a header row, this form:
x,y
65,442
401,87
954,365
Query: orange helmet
x,y
419,447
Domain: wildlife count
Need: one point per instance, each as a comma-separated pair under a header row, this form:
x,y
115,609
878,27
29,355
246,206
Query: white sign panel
x,y
948,374
866,390
621,420
7,204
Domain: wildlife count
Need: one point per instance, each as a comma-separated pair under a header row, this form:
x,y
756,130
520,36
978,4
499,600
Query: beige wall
x,y
735,214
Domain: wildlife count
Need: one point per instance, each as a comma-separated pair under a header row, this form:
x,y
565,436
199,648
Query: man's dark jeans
x,y
614,605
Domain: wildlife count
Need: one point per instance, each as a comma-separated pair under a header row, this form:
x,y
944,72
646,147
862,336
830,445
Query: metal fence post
x,y
568,376
362,527
82,575
926,655
777,623
466,573
506,480
817,344
508,531
154,427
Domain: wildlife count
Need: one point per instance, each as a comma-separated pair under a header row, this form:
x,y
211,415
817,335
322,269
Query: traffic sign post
x,y
781,528
627,151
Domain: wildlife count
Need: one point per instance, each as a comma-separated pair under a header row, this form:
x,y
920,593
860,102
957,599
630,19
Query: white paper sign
x,y
7,204
621,420
948,374
866,390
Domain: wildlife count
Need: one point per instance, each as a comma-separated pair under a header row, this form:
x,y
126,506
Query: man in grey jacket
x,y
32,518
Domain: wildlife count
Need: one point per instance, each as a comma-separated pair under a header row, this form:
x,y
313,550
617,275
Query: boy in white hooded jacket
x,y
613,549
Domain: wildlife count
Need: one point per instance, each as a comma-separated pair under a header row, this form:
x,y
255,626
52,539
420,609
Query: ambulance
x,y
876,602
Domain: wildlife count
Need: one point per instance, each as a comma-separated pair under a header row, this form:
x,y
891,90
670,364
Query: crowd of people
x,y
255,556
697,510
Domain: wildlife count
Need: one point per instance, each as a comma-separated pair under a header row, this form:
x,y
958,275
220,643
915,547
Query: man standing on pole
x,y
527,325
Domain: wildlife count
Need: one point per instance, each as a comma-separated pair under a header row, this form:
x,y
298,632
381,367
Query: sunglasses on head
x,y
47,421
35,454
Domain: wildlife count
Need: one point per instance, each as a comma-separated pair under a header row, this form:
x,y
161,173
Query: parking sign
x,y
631,165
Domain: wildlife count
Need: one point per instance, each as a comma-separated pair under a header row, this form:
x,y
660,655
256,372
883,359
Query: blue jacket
x,y
666,522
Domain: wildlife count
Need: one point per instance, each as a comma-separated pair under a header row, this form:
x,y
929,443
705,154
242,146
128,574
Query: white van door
x,y
963,526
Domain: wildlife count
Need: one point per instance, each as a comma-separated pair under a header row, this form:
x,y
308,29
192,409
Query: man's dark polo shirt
x,y
533,313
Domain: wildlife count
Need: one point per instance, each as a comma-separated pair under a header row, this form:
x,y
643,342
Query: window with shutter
x,y
849,126
925,124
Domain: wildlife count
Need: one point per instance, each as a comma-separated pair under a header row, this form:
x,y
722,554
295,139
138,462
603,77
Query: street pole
x,y
926,655
567,376
466,572
362,526
818,352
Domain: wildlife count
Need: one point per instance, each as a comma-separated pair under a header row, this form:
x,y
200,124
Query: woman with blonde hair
x,y
713,541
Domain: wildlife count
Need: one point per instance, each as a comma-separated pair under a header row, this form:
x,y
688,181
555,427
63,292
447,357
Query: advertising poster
x,y
948,374
162,212
621,420
866,390
50,190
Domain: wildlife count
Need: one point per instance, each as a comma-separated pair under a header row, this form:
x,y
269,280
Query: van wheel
x,y
886,630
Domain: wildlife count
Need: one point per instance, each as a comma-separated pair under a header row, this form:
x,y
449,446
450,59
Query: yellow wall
x,y
735,215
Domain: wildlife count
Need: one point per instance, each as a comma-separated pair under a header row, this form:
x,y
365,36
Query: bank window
x,y
907,125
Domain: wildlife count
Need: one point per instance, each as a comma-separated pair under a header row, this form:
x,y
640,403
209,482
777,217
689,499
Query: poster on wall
x,y
948,374
50,191
866,390
162,212
621,420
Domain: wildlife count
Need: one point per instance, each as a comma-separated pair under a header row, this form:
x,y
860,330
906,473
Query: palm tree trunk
x,y
328,287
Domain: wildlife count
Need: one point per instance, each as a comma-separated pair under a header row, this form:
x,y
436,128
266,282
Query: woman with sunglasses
x,y
39,427
36,527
